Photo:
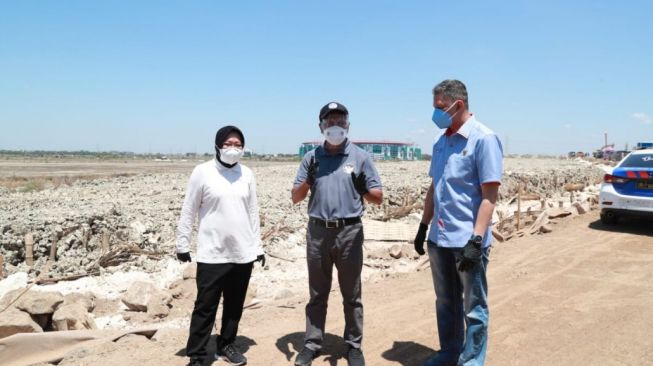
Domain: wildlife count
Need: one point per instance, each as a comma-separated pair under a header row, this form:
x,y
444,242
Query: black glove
x,y
261,258
360,183
312,171
470,256
420,238
184,257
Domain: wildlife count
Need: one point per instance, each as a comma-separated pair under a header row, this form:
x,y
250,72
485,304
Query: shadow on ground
x,y
408,353
333,348
628,225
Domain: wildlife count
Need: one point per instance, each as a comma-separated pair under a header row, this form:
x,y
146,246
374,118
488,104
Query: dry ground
x,y
581,295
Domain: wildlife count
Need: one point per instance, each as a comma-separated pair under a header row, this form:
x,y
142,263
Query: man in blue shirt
x,y
339,176
466,171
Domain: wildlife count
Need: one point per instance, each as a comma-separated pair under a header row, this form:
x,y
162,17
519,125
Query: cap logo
x,y
333,105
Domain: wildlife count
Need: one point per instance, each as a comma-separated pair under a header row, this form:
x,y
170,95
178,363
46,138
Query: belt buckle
x,y
336,224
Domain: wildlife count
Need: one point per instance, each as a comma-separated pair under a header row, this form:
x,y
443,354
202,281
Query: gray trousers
x,y
325,247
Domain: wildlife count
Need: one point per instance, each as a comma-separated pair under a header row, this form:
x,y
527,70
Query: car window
x,y
638,161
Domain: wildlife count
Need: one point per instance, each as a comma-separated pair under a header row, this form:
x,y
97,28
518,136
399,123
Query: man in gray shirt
x,y
340,176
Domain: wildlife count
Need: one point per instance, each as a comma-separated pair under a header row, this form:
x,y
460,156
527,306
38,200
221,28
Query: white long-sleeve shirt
x,y
225,200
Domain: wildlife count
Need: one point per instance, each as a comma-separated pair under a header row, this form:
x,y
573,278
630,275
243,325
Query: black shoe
x,y
196,362
305,357
230,354
355,357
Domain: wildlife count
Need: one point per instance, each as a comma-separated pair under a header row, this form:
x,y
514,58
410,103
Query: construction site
x,y
94,254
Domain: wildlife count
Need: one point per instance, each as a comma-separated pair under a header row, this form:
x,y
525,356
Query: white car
x,y
628,189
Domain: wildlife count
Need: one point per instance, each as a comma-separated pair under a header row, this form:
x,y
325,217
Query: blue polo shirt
x,y
333,195
462,162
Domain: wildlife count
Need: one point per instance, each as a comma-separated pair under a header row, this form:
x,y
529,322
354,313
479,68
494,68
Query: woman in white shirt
x,y
223,193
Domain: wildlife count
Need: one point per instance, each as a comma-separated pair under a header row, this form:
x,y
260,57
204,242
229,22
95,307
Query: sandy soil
x,y
581,295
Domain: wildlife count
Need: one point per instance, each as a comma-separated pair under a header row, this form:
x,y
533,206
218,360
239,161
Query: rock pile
x,y
28,311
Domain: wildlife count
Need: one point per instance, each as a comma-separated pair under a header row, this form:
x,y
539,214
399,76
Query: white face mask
x,y
231,155
335,135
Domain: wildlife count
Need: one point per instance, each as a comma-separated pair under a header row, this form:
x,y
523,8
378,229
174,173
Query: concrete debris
x,y
395,251
10,297
557,213
86,300
579,208
138,296
545,229
96,235
39,303
158,305
14,321
72,317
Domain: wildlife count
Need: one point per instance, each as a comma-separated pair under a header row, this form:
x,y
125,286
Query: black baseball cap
x,y
333,107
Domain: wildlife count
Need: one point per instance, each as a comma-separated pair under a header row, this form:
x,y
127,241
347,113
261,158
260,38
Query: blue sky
x,y
163,76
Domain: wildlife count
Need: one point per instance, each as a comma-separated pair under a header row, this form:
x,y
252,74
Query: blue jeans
x,y
460,296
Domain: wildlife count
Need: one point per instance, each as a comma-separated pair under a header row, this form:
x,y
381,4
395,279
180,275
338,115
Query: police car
x,y
628,189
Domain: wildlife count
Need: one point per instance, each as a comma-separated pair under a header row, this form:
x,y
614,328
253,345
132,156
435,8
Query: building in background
x,y
380,150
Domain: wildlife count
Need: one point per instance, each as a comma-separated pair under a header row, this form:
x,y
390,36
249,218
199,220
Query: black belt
x,y
335,223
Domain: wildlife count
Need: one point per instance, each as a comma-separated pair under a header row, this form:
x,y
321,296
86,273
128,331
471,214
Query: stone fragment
x,y
87,300
571,187
579,207
157,306
40,302
138,295
545,229
72,317
9,297
395,251
14,321
557,213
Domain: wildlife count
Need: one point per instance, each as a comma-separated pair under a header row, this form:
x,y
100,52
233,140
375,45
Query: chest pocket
x,y
459,168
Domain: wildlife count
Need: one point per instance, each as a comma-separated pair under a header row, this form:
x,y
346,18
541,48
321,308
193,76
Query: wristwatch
x,y
476,239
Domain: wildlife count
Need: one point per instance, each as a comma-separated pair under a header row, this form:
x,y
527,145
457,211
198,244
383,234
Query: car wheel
x,y
609,218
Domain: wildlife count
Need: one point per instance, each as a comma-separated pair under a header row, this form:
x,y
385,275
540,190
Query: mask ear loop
x,y
451,106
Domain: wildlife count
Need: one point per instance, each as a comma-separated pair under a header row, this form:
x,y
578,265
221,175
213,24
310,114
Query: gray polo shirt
x,y
333,195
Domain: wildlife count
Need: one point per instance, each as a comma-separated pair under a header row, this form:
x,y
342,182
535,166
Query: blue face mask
x,y
441,118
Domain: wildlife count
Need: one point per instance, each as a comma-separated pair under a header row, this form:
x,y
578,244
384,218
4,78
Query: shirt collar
x,y
465,129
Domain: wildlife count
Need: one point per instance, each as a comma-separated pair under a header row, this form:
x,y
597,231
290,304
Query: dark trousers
x,y
229,280
342,247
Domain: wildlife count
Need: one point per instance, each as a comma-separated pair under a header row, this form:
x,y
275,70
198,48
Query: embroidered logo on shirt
x,y
441,223
348,168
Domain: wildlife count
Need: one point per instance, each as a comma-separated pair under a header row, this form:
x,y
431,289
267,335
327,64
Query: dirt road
x,y
581,295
